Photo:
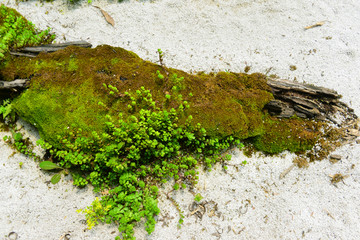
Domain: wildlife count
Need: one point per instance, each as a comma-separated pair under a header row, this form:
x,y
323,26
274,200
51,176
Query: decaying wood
x,y
286,171
306,101
34,51
23,54
18,83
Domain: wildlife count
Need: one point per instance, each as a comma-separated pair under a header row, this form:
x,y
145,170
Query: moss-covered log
x,y
67,85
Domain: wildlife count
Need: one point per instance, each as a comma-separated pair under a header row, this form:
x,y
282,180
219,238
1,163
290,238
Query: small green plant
x,y
49,166
22,145
95,213
161,57
159,75
6,109
17,32
198,197
137,153
21,164
178,83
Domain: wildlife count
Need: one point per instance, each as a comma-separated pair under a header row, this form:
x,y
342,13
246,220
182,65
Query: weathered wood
x,y
34,51
23,54
283,85
306,101
18,83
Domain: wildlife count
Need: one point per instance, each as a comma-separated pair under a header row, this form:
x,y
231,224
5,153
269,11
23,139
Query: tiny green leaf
x,y
18,137
47,165
56,178
198,197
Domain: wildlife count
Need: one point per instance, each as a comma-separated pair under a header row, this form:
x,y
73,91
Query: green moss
x,y
72,67
295,135
67,85
114,61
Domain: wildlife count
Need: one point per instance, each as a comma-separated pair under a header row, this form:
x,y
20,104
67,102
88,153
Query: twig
x,y
328,213
284,173
318,24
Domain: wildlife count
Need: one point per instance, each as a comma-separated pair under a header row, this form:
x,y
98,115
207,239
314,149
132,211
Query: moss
x,y
294,134
67,85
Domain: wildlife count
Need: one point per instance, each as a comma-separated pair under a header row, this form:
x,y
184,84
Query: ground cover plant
x,y
17,32
126,125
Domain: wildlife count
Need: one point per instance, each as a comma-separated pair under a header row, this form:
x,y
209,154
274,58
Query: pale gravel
x,y
211,35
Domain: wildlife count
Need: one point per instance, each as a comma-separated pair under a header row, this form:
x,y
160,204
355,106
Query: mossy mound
x,y
67,85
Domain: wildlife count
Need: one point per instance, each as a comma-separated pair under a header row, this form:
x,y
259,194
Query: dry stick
x,y
328,213
318,24
284,173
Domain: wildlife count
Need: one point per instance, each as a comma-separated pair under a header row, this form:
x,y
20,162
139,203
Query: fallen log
x,y
224,104
290,98
34,51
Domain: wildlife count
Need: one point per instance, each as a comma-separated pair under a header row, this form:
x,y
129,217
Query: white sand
x,y
211,35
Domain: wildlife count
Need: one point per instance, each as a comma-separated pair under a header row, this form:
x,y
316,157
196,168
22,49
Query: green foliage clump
x,y
133,156
198,197
17,32
17,141
5,109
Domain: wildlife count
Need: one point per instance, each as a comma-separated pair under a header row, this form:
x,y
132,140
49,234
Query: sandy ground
x,y
210,35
